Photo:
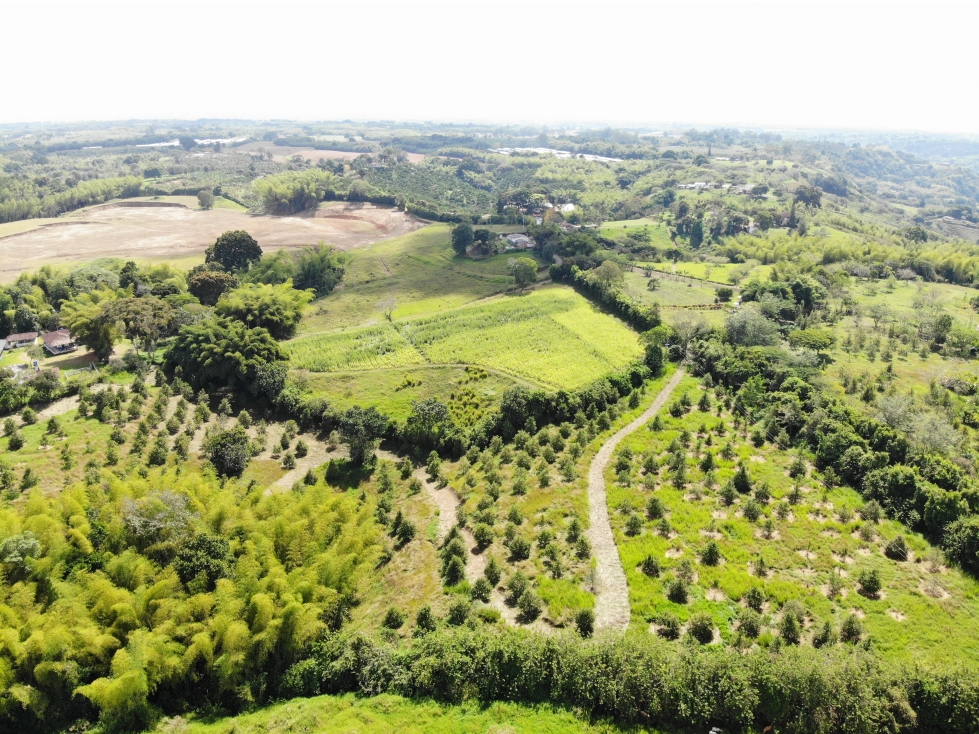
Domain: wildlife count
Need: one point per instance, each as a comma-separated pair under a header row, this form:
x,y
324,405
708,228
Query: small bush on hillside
x,y
701,627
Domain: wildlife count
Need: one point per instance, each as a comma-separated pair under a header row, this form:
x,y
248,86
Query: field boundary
x,y
611,588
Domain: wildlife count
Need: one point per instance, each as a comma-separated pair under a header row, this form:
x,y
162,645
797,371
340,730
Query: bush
x,y
701,627
789,627
650,566
852,629
516,585
754,597
749,623
869,581
481,590
530,606
459,611
584,621
29,416
897,549
394,619
483,534
301,449
520,549
15,442
711,554
493,572
425,621
669,626
654,508
676,591
228,451
633,526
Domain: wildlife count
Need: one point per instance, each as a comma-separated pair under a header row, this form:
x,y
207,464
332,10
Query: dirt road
x,y
612,590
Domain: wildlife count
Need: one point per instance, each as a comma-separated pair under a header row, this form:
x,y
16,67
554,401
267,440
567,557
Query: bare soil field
x,y
165,230
283,153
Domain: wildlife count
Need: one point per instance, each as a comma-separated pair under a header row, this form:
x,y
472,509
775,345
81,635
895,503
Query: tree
x,y
608,274
207,286
524,272
428,422
879,312
129,275
748,328
91,323
205,198
234,250
361,429
320,268
697,234
277,308
724,294
143,320
818,340
462,238
228,450
204,559
223,353
186,142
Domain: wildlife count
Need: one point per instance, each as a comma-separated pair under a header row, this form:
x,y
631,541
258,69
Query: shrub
x,y
424,621
751,510
701,627
711,554
29,416
754,597
789,627
459,611
633,526
301,449
481,590
669,626
897,549
677,591
15,442
749,623
872,512
826,635
650,566
394,618
851,629
654,508
228,450
584,621
483,534
520,549
530,606
493,572
516,585
869,581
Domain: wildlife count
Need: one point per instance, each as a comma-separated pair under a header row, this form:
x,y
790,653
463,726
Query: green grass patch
x,y
387,713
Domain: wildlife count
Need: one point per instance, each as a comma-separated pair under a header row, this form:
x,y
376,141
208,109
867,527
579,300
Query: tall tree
x,y
362,429
234,250
208,286
462,238
278,308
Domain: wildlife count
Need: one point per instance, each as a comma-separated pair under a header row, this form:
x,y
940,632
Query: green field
x,y
552,337
415,274
395,715
926,613
670,292
468,393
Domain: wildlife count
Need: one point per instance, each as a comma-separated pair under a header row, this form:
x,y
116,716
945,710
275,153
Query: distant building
x,y
59,342
566,227
21,340
566,208
519,240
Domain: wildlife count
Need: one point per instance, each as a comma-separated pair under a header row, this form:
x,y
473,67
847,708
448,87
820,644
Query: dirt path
x,y
316,456
611,588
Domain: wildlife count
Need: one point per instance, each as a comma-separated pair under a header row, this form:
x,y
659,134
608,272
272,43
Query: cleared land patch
x,y
142,228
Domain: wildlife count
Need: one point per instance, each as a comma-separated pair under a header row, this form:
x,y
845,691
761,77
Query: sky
x,y
783,64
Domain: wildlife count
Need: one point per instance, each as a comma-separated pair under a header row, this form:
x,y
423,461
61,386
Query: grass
x,y
387,713
552,337
469,393
669,292
417,274
909,623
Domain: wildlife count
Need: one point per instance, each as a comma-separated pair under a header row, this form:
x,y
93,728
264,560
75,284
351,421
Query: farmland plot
x,y
372,347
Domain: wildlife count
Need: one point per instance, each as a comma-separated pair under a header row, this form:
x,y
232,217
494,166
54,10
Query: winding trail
x,y
611,588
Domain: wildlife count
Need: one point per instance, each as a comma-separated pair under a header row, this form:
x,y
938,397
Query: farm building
x,y
59,342
519,240
21,340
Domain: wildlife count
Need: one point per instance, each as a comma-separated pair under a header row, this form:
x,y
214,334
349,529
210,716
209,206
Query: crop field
x,y
810,541
552,337
177,229
371,347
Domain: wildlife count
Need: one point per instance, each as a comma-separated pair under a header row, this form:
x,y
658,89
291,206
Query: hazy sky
x,y
883,65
